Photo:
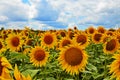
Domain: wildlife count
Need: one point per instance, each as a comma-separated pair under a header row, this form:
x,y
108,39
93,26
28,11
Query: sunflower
x,y
110,33
111,46
105,38
115,67
70,34
76,29
26,50
1,37
81,39
17,31
14,42
9,31
28,41
118,30
97,37
4,66
19,76
73,59
48,40
111,29
2,46
4,36
91,30
39,34
101,29
61,33
4,32
69,29
24,33
65,42
38,56
118,37
27,78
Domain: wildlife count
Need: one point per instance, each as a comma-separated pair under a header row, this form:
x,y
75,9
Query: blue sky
x,y
59,14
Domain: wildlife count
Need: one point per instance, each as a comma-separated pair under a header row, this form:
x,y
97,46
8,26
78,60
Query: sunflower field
x,y
72,54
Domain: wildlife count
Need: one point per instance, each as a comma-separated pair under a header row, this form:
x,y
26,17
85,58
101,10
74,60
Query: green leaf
x,y
17,55
87,72
30,72
107,78
95,76
91,67
26,46
50,78
68,79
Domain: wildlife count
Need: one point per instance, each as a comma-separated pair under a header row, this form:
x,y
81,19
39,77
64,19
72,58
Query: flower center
x,y
81,39
63,34
15,41
105,39
1,67
118,37
5,36
65,43
91,31
71,35
97,37
109,33
1,45
111,45
48,39
73,56
0,36
29,42
101,30
39,55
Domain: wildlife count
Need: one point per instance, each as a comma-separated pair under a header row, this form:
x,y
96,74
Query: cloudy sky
x,y
59,14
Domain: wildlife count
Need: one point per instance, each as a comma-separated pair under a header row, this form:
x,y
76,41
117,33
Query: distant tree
x,y
2,28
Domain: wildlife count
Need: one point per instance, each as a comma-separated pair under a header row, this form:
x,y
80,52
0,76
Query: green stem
x,y
58,76
76,77
105,68
45,73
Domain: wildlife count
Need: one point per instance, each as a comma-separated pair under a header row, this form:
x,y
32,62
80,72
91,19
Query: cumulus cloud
x,y
14,10
60,13
35,25
14,25
45,12
3,19
88,12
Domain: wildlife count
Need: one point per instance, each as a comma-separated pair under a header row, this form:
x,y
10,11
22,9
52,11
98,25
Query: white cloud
x,y
37,25
71,25
70,12
45,11
32,12
63,17
86,11
3,18
15,25
14,9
